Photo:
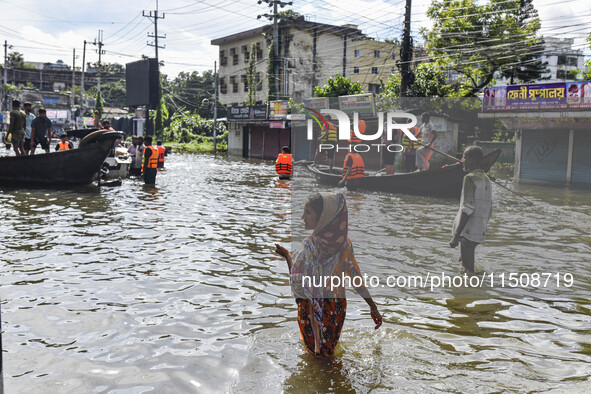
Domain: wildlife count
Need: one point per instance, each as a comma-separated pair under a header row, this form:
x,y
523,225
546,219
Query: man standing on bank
x,y
150,162
469,228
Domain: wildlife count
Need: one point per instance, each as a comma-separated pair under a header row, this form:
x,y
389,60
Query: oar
x,y
490,176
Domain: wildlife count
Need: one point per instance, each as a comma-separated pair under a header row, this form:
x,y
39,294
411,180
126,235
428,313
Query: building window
x,y
259,51
245,82
374,70
357,52
234,56
223,58
355,70
571,61
234,84
223,86
374,88
244,50
393,56
561,60
376,53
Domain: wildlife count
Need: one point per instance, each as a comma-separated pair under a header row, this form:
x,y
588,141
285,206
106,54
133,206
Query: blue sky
x,y
49,30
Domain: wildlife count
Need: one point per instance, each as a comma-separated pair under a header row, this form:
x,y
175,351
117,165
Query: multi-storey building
x,y
309,54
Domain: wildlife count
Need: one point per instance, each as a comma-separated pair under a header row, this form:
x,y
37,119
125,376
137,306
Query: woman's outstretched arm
x,y
280,250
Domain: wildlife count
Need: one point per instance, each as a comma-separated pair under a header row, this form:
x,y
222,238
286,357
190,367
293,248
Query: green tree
x,y
585,73
476,41
251,76
15,60
99,104
337,86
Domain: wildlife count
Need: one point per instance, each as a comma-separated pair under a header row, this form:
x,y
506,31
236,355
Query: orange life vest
x,y
64,145
153,159
283,164
161,153
358,167
353,139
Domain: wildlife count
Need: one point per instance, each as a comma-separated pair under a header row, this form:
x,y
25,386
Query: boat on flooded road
x,y
66,168
439,182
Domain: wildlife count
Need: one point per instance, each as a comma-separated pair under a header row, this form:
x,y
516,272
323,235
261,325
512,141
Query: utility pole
x,y
73,96
5,97
275,18
215,108
406,54
100,52
155,16
82,80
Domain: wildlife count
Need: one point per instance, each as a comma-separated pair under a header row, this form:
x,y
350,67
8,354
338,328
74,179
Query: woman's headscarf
x,y
321,252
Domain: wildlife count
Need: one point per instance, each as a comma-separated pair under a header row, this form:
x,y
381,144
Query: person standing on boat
x,y
41,131
423,154
284,164
30,117
150,162
329,136
18,122
470,224
326,254
64,144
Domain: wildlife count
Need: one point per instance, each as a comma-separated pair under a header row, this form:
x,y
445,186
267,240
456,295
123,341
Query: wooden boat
x,y
60,169
439,182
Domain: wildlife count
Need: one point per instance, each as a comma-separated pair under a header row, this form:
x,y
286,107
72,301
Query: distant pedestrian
x,y
41,131
150,162
30,117
284,164
423,154
139,155
470,225
161,154
18,121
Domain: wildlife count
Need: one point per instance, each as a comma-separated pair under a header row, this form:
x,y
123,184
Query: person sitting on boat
x,y
353,167
423,154
64,144
329,136
470,224
107,126
284,165
161,153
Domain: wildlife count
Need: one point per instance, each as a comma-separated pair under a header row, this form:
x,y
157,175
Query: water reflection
x,y
174,288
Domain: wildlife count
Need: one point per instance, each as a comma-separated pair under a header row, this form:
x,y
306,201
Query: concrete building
x,y
372,62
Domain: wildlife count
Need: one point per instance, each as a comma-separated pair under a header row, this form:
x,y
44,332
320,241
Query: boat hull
x,y
439,182
57,169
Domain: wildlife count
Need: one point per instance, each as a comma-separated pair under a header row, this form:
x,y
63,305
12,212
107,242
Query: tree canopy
x,y
337,86
479,41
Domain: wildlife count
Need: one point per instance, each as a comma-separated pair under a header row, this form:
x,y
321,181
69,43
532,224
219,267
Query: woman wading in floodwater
x,y
328,252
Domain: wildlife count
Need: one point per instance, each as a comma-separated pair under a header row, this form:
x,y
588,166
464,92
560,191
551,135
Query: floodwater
x,y
174,289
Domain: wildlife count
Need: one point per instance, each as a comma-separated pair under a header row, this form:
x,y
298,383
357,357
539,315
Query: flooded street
x,y
176,289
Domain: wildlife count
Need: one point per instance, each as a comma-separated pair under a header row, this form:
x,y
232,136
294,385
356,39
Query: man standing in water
x,y
469,228
150,162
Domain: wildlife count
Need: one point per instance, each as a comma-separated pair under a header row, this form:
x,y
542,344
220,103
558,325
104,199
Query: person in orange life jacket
x,y
353,139
161,154
353,165
107,126
329,136
150,162
64,144
410,148
284,164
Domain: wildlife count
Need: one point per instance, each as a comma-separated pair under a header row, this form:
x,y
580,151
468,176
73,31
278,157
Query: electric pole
x,y
154,16
82,80
73,77
406,55
275,18
5,105
100,52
